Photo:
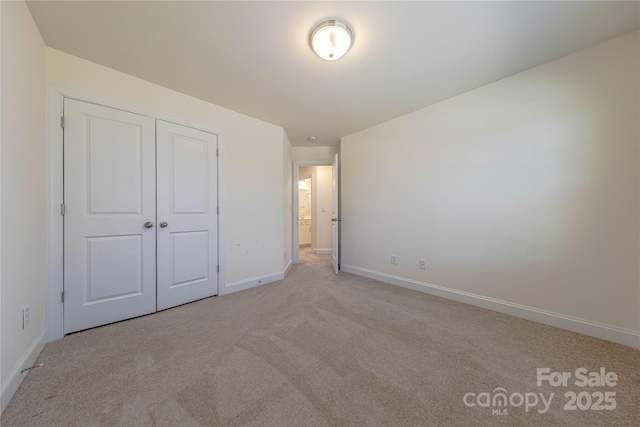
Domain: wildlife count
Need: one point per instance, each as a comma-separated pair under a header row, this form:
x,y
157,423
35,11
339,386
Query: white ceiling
x,y
254,57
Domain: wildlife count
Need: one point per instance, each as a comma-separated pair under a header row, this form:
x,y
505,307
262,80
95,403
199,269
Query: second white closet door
x,y
187,200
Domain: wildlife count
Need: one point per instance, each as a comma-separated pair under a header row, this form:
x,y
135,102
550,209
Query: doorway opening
x,y
305,208
314,212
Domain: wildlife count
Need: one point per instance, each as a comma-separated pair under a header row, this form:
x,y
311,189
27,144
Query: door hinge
x,y
218,269
62,296
217,153
62,122
62,209
218,210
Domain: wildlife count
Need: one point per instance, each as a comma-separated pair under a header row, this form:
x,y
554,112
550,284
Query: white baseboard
x,y
241,285
288,267
10,387
583,326
322,251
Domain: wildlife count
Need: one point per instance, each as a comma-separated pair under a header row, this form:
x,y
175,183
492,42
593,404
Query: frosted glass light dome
x,y
331,39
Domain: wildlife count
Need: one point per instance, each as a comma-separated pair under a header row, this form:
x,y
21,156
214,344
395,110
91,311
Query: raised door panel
x,y
109,194
190,251
187,214
114,267
189,170
114,168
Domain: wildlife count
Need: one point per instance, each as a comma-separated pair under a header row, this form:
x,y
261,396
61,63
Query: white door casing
x,y
334,217
109,194
187,233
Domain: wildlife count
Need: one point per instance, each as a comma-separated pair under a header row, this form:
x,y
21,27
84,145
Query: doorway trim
x,y
55,191
296,178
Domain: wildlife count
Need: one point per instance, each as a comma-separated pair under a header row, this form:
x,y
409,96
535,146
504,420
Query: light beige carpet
x,y
316,349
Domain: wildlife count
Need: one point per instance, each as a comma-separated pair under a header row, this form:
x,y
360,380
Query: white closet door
x,y
109,195
187,181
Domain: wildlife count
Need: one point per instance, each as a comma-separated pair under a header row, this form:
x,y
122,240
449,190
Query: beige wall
x,y
524,191
306,171
253,160
314,154
323,206
22,192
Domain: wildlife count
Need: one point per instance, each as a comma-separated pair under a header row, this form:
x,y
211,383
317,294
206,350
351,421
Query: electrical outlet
x,y
394,259
25,317
422,264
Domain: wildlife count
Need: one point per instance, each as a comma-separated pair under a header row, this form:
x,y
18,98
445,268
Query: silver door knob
x,y
148,224
163,225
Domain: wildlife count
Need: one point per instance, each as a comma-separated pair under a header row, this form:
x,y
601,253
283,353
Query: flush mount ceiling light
x,y
331,39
